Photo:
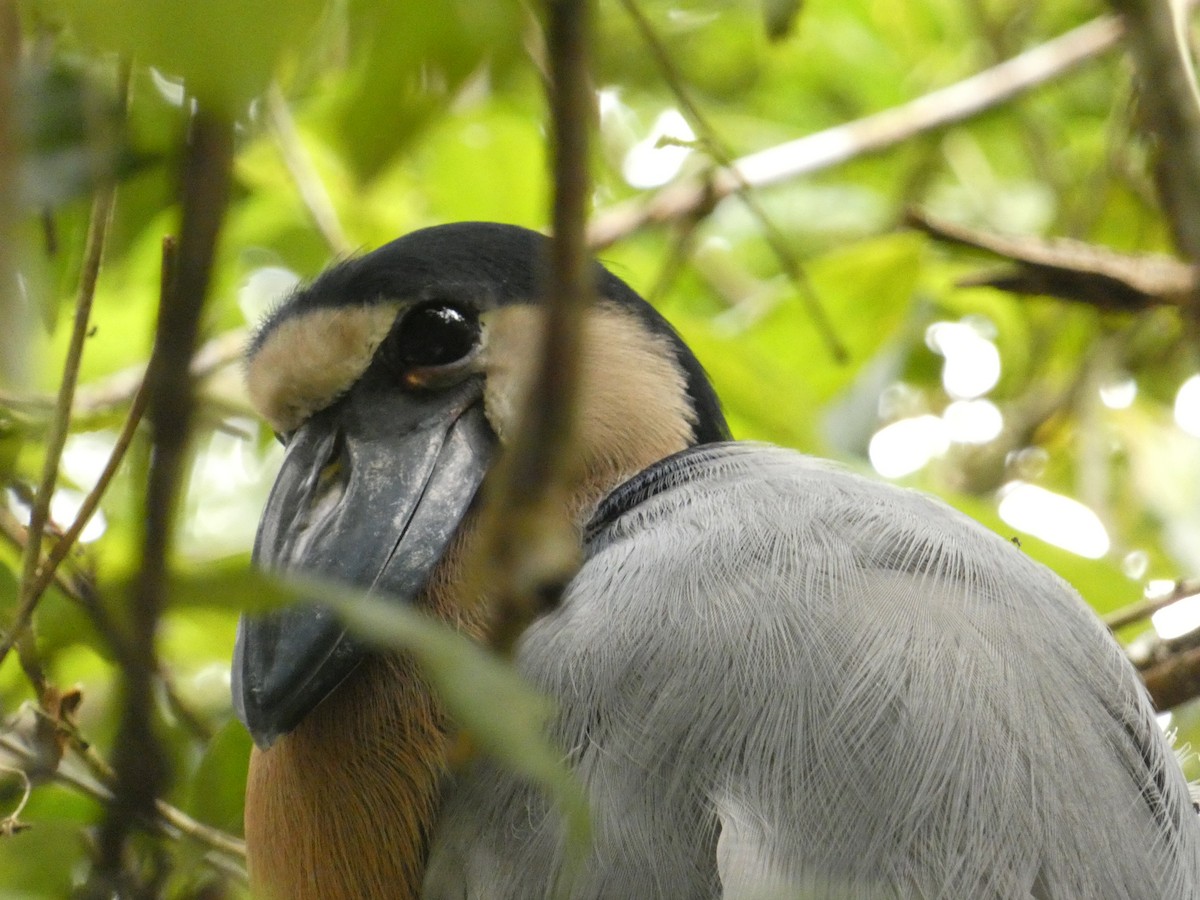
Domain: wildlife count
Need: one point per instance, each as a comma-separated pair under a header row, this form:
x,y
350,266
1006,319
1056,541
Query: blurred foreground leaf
x,y
226,51
490,702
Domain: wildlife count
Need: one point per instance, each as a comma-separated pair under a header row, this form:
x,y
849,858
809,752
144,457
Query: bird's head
x,y
392,379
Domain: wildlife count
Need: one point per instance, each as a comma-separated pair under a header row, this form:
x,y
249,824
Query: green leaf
x,y
230,583
218,788
499,711
226,51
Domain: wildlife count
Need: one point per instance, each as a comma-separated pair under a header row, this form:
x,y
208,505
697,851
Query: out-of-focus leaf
x,y
219,786
63,623
9,585
72,134
779,16
229,583
25,859
775,371
12,438
500,713
462,155
409,61
225,50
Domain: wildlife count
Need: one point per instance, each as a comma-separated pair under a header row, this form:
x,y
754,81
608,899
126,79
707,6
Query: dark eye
x,y
434,334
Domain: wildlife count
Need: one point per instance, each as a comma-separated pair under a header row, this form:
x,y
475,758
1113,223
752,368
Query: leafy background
x,y
359,121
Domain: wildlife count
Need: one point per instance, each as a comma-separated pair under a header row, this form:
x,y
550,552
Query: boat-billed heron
x,y
772,677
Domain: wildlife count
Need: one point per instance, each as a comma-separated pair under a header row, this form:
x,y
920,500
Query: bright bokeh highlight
x,y
973,421
906,446
1119,394
1178,619
972,365
1053,518
647,165
1187,406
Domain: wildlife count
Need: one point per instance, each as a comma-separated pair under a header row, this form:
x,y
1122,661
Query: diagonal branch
x,y
717,149
836,145
1144,609
101,216
1069,269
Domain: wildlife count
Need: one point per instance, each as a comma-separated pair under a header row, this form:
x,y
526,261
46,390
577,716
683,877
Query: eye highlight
x,y
432,338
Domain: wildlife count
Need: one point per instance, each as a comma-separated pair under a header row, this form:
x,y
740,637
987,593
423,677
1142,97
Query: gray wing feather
x,y
777,679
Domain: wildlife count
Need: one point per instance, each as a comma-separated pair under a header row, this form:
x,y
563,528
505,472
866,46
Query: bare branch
x,y
717,149
228,852
97,401
836,145
1174,679
92,501
1069,269
1143,609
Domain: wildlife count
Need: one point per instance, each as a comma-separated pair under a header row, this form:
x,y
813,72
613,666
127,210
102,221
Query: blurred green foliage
x,y
409,114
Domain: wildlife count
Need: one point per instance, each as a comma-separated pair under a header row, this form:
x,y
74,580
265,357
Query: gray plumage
x,y
777,679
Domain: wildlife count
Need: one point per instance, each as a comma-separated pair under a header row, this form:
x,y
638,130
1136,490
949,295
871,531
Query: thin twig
x,y
75,588
836,145
210,837
169,820
98,400
102,208
92,501
1143,609
17,536
530,549
81,591
304,173
717,149
139,765
11,824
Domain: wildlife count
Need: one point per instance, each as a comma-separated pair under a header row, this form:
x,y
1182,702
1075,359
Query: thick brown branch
x,y
138,763
531,551
841,143
1168,98
1174,679
1169,668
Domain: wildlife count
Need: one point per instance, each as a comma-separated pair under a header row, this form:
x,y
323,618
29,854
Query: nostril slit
x,y
330,482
